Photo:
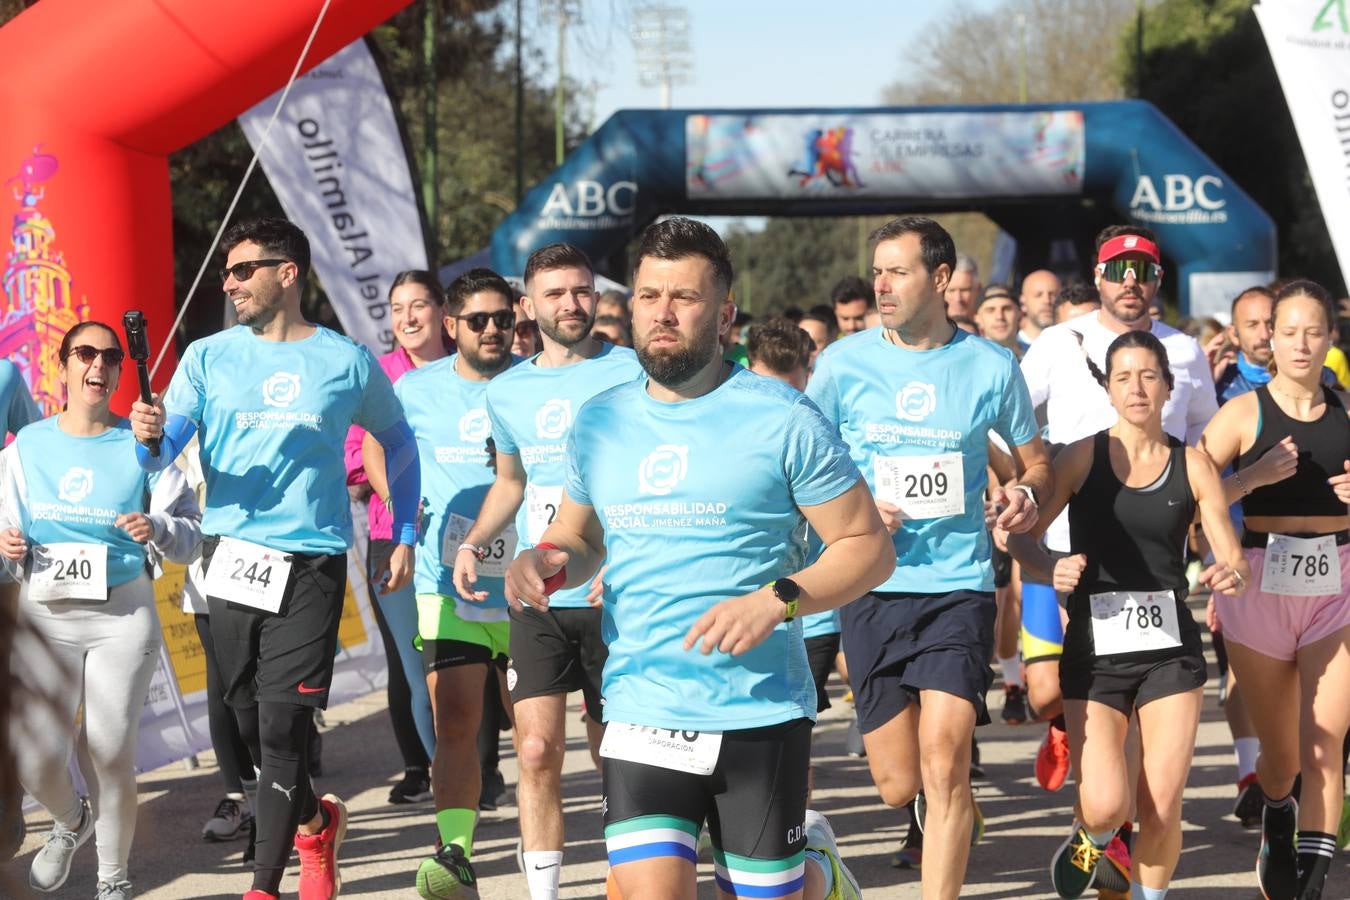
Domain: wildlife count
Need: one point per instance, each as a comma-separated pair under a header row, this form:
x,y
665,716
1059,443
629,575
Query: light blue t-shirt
x,y
448,417
917,424
16,403
272,419
699,502
532,408
78,486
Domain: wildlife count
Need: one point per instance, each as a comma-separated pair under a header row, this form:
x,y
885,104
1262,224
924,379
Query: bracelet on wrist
x,y
479,552
1242,485
558,578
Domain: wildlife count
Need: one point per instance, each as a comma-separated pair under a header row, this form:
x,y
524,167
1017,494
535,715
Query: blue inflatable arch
x,y
1051,175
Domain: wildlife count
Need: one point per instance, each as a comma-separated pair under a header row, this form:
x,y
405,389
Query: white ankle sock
x,y
543,872
1247,750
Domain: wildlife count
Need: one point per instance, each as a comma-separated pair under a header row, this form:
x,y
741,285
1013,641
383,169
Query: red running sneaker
x,y
319,876
256,894
1052,760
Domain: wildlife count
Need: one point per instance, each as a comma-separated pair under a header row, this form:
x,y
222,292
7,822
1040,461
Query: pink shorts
x,y
1277,625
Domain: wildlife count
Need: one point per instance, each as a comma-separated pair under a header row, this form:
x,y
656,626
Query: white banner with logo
x,y
967,154
1309,43
338,165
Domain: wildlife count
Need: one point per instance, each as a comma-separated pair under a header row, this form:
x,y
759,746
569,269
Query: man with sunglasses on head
x,y
1128,277
273,399
462,641
558,650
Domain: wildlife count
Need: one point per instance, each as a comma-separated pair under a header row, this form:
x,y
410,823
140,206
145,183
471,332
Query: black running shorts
x,y
557,651
820,653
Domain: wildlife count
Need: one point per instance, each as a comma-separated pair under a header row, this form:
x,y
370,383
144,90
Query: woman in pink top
x,y
417,313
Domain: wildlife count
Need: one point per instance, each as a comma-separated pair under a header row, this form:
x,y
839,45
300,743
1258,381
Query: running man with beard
x,y
560,650
708,698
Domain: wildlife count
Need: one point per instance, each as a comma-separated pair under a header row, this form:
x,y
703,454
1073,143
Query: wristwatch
x,y
1026,489
790,593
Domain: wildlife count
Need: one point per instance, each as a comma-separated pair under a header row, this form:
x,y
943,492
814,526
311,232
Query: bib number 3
x,y
1134,621
1301,567
71,572
248,574
694,752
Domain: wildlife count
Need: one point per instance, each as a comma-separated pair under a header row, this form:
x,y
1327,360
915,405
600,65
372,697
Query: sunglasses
x,y
504,319
1144,272
112,356
527,328
243,271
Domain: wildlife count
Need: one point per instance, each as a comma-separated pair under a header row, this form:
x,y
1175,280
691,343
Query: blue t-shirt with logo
x,y
77,486
532,408
272,418
448,417
16,403
699,502
917,424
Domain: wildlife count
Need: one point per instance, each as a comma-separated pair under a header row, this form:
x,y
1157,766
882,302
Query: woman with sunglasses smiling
x,y
417,317
86,529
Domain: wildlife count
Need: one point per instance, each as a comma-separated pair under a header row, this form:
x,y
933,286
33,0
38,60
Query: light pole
x,y
566,12
661,40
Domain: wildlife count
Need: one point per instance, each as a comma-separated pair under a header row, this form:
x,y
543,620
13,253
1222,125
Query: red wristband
x,y
558,578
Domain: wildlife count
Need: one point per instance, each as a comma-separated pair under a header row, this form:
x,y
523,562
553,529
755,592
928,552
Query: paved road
x,y
385,843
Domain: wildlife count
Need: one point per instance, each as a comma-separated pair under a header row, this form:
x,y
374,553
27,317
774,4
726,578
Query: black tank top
x,y
1323,447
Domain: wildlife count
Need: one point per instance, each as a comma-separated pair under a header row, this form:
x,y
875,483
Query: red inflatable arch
x,y
93,97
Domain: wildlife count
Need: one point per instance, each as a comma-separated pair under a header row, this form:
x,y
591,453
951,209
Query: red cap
x,y
1128,243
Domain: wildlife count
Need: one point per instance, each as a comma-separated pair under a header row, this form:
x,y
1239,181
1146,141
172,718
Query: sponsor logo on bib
x,y
661,471
915,401
281,389
553,419
76,484
475,425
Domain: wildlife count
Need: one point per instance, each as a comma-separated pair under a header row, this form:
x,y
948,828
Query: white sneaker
x,y
113,890
229,822
51,866
820,837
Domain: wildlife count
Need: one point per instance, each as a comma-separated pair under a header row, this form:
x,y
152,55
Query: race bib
x,y
541,508
923,487
499,553
72,572
1134,621
694,752
1303,567
248,574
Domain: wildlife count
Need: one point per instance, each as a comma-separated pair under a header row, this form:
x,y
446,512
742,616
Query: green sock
x,y
456,827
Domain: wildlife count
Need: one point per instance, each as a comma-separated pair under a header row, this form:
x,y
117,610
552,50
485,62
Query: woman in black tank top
x,y
1131,644
1288,633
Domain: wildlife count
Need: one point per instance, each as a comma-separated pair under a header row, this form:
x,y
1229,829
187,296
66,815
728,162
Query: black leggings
x,y
278,736
232,754
399,699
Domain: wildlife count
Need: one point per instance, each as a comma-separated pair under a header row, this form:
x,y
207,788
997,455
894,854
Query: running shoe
x,y
414,788
820,837
230,821
51,866
447,874
1113,871
113,890
256,894
1052,760
1343,832
1249,805
1014,704
1277,863
1073,868
319,875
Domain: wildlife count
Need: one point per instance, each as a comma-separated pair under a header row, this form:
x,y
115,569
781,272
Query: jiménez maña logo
x,y
281,389
474,426
915,401
662,470
553,419
76,484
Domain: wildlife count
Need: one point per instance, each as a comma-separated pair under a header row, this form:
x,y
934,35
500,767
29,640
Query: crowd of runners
x,y
693,519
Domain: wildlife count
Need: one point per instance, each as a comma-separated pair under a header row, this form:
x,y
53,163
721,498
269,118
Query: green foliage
x,y
1206,66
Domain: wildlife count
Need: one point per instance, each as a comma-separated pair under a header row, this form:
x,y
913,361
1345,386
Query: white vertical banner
x,y
338,165
1309,43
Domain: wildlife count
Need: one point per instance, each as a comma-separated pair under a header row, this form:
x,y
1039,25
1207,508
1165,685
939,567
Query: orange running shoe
x,y
1052,760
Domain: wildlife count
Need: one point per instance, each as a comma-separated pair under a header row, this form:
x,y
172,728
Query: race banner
x,y
337,162
939,154
1309,43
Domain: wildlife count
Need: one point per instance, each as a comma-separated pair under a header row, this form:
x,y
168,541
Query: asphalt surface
x,y
384,844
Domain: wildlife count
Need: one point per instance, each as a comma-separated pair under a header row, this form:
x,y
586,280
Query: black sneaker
x,y
493,792
1249,805
414,788
1277,864
1014,705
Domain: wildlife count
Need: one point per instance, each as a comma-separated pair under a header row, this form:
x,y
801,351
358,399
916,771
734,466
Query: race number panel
x,y
1302,567
248,574
73,572
694,752
541,508
499,553
1134,621
923,487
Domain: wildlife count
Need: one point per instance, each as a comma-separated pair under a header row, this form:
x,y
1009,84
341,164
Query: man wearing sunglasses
x,y
560,650
1128,277
273,399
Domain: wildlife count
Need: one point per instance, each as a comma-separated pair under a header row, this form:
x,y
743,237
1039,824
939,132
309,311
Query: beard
x,y
672,367
567,333
261,312
487,360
